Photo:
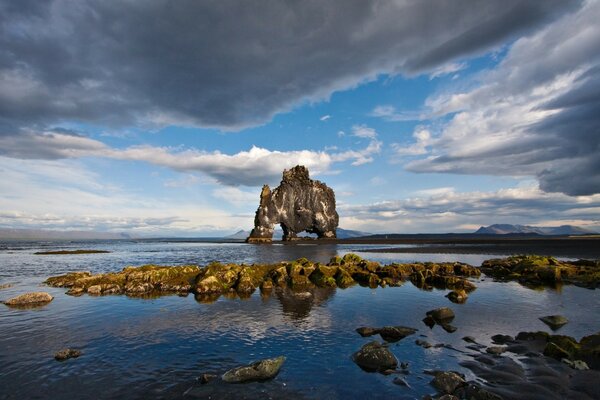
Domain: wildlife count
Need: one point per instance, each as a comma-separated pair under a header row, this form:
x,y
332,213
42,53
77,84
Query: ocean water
x,y
157,348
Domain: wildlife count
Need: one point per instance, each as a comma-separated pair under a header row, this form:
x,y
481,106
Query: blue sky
x,y
422,116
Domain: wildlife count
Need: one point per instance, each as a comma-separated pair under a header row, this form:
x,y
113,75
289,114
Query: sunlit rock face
x,y
297,204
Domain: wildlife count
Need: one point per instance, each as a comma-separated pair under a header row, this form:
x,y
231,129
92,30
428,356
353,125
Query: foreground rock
x,y
554,321
375,356
559,347
65,354
215,279
297,204
32,299
259,371
533,270
447,382
387,333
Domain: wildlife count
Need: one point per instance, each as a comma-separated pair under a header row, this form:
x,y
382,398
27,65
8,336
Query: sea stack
x,y
298,204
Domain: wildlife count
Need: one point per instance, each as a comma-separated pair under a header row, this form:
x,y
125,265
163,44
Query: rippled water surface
x,y
156,348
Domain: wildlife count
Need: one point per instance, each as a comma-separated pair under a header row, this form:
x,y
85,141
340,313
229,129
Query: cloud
x,y
445,209
218,64
325,117
254,167
447,69
422,141
363,131
536,114
389,113
236,196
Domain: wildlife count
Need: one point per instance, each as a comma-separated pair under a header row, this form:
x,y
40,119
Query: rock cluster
x,y
133,281
216,279
297,204
535,270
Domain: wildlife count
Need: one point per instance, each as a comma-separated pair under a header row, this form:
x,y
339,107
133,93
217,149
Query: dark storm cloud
x,y
536,114
227,64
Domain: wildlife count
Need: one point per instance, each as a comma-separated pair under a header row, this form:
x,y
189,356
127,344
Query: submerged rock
x,y
387,333
554,321
65,354
30,300
297,204
375,356
458,296
447,382
258,371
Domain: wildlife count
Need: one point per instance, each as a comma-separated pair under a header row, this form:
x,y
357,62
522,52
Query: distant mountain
x,y
341,234
42,234
506,229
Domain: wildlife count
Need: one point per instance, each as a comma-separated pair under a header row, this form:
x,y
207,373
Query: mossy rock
x,y
323,276
337,260
351,258
343,279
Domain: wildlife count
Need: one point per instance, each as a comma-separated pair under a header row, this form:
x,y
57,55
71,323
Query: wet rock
x,y
205,378
6,286
429,321
365,331
448,328
404,365
555,351
65,354
576,364
447,397
423,343
258,371
31,299
502,339
375,356
495,350
472,391
441,315
458,296
469,339
324,276
400,382
447,382
297,204
554,321
395,333
210,284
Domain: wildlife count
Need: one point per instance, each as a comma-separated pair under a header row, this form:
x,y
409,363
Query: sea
x,y
157,348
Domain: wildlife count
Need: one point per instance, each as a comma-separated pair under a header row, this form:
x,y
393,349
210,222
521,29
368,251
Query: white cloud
x,y
389,113
236,196
363,131
422,138
447,69
254,167
325,117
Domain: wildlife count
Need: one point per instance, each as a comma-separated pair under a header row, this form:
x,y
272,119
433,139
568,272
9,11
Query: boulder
x,y
258,371
298,204
441,315
395,333
447,382
375,356
31,299
65,354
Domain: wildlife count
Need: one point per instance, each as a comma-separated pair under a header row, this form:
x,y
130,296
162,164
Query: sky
x,y
163,118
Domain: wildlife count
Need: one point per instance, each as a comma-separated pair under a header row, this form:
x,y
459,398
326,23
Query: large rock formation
x,y
297,204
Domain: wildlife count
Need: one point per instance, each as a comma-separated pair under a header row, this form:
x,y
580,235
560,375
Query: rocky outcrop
x,y
302,275
532,270
65,354
32,299
298,204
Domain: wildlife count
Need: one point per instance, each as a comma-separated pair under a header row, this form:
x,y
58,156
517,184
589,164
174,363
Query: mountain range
x,y
507,229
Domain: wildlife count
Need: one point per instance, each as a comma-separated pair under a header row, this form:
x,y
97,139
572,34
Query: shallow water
x,y
156,348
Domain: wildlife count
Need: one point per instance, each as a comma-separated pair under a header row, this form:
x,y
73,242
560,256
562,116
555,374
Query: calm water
x,y
136,348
